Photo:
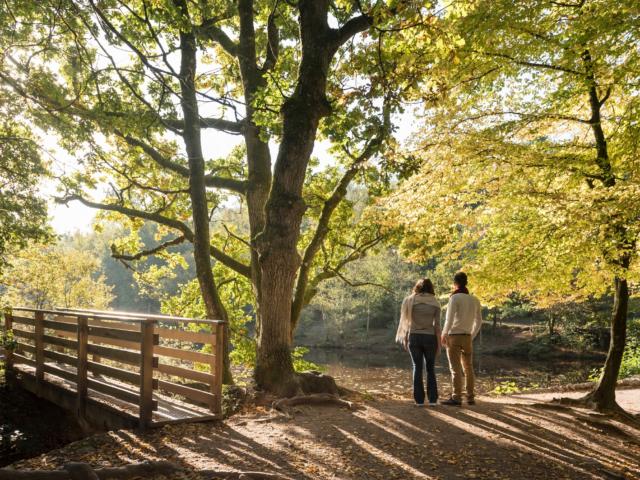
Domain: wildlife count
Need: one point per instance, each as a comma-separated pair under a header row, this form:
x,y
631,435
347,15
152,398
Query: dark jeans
x,y
423,348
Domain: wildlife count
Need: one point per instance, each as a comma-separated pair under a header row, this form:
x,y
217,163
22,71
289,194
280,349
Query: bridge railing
x,y
129,355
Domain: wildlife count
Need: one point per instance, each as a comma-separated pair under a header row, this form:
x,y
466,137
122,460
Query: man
x,y
464,320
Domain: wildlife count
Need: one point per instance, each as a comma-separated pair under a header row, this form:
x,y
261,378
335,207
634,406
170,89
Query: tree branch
x,y
332,272
111,27
231,184
219,255
247,57
606,96
352,283
154,154
230,262
351,28
228,126
330,204
273,41
526,63
130,212
210,30
146,253
322,229
530,116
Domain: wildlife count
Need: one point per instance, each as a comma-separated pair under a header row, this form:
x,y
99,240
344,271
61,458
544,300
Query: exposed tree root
x,y
313,388
284,404
554,405
316,382
298,383
589,402
83,471
226,475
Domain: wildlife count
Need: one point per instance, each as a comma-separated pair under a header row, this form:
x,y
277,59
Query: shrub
x,y
8,341
630,362
302,365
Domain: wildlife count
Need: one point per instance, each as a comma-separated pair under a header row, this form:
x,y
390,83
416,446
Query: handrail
x,y
79,313
134,315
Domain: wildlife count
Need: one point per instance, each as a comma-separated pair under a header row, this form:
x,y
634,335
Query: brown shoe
x,y
471,401
452,402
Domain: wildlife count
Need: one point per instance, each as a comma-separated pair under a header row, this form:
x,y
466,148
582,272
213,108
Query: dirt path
x,y
627,398
504,438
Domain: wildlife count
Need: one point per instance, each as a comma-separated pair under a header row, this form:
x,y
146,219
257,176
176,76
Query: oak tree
x,y
134,88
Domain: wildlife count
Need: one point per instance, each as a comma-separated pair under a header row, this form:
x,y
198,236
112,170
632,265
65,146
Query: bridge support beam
x,y
39,345
82,383
146,373
8,351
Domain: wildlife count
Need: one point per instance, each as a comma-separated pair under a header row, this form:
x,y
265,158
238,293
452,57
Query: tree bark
x,y
197,186
258,154
279,257
603,397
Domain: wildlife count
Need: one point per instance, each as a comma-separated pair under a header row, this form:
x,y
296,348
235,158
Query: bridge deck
x,y
170,409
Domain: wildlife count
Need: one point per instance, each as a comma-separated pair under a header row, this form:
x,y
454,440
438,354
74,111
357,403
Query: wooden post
x,y
82,367
146,373
217,367
8,326
39,343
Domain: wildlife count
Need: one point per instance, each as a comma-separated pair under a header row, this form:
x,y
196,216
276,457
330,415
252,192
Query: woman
x,y
419,332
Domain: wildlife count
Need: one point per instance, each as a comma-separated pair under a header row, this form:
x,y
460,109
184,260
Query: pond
x,y
389,372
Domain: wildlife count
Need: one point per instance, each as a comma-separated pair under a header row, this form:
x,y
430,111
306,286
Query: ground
x,y
518,437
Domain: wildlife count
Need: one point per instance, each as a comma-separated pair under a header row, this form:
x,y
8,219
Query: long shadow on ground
x,y
390,440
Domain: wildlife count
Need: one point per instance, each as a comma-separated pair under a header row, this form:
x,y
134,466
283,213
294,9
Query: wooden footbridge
x,y
116,369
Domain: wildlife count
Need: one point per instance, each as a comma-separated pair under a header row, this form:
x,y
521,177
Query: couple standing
x,y
419,332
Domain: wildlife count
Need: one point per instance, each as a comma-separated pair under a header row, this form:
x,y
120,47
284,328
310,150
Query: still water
x,y
389,371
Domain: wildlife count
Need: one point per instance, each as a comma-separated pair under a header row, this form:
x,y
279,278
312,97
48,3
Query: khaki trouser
x,y
460,353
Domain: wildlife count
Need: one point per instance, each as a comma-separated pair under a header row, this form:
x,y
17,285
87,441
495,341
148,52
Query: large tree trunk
x,y
197,188
279,257
603,398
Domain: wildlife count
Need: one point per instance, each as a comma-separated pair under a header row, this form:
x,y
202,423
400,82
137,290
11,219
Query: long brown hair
x,y
424,285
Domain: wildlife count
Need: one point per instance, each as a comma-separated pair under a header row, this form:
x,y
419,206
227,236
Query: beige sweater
x,y
406,321
464,315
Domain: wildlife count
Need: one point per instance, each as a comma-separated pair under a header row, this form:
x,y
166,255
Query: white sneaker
x,y
418,404
433,404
